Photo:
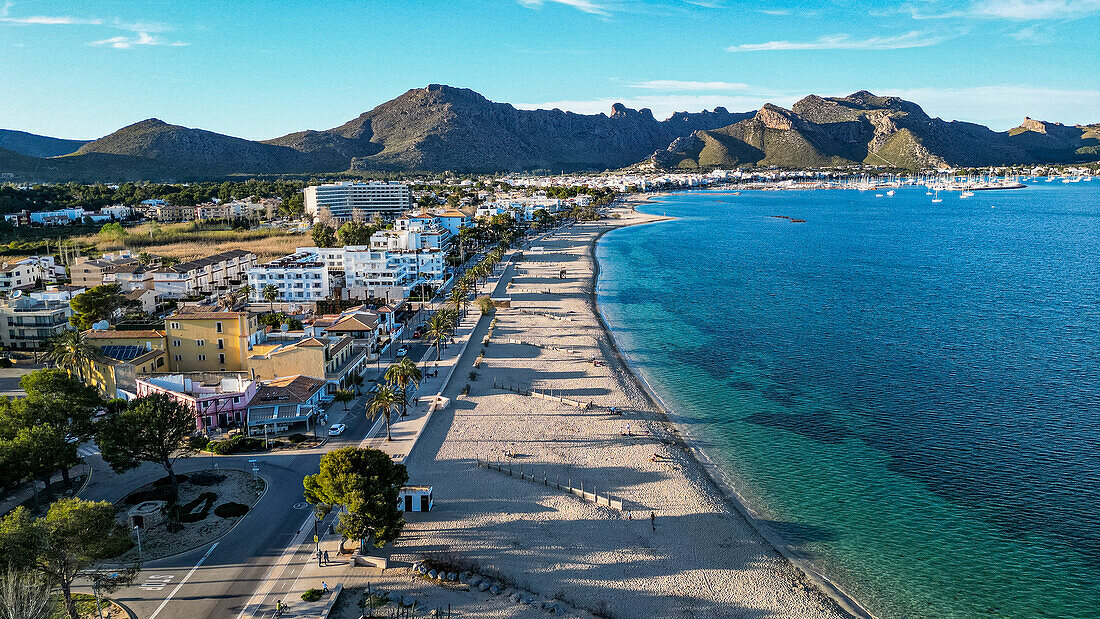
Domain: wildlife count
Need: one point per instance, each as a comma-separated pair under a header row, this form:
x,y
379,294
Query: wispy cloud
x,y
915,38
1035,9
142,33
588,6
138,39
1021,10
1004,107
680,85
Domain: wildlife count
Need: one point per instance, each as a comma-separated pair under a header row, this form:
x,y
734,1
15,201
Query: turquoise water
x,y
907,391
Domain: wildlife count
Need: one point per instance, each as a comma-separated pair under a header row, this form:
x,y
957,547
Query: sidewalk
x,y
406,430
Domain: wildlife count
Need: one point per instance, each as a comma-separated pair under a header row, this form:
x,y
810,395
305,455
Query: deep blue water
x,y
909,391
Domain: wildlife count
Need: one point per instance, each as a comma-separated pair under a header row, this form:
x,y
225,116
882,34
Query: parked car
x,y
337,429
420,331
401,352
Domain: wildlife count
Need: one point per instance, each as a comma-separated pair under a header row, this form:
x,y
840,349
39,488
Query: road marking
x,y
156,582
268,583
182,582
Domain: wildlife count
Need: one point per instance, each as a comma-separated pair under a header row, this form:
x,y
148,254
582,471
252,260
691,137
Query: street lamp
x,y
138,529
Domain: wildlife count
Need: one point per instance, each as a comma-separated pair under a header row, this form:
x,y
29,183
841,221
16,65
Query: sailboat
x,y
966,194
890,193
937,198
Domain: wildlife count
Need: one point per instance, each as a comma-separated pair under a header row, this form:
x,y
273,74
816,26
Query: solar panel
x,y
122,352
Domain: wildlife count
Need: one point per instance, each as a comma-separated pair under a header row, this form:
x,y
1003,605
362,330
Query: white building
x,y
21,274
213,274
299,277
347,200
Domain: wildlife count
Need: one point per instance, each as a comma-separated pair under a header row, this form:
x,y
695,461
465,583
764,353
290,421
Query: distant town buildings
x,y
27,323
348,201
213,274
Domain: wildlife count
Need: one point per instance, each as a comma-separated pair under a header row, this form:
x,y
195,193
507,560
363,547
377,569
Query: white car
x,y
337,429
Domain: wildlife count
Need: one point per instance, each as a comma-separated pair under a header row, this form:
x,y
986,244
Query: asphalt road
x,y
242,574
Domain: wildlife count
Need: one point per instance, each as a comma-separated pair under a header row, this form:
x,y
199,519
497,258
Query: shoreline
x,y
712,471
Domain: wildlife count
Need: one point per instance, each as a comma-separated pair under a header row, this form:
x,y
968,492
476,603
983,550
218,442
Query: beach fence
x,y
547,394
543,346
591,495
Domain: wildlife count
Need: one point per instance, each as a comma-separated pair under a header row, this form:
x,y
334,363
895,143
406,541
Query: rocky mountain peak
x,y
775,117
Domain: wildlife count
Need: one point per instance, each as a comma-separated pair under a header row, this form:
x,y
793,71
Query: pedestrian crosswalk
x,y
87,450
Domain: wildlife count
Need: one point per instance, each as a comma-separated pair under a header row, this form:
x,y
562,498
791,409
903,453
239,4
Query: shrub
x,y
297,438
198,442
235,444
188,512
312,595
5,362
485,304
207,478
156,493
230,510
164,481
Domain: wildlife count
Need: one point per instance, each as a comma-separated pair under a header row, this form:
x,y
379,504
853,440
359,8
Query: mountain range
x,y
441,128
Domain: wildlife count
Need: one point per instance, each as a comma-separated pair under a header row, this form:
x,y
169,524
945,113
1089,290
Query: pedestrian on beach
x,y
324,587
653,521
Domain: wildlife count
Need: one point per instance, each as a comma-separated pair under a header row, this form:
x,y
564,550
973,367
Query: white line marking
x,y
268,583
182,582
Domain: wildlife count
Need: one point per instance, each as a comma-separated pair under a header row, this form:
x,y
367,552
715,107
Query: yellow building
x,y
333,359
200,341
122,356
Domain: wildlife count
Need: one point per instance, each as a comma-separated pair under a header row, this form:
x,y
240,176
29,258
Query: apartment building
x,y
346,201
286,404
18,275
27,323
123,356
211,341
213,274
334,359
300,277
88,272
218,399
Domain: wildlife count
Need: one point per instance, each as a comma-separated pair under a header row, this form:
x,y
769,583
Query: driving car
x,y
337,429
401,352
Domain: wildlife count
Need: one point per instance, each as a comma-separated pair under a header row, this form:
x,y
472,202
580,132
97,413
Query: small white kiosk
x,y
415,499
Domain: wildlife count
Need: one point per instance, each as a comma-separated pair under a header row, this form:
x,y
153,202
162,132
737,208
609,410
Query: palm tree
x,y
72,350
459,298
271,293
438,328
402,375
384,402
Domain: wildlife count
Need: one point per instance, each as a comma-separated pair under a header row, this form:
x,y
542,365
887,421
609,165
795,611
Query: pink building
x,y
219,399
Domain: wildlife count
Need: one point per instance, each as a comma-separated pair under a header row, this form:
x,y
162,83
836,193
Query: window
x,y
218,327
202,357
200,342
221,344
174,325
221,358
179,357
176,343
160,361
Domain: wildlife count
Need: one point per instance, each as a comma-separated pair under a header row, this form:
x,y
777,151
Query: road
x,y
242,574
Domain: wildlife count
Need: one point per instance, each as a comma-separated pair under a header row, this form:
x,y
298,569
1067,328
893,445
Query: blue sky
x,y
260,69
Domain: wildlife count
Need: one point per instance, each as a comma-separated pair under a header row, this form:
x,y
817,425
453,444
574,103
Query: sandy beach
x,y
678,548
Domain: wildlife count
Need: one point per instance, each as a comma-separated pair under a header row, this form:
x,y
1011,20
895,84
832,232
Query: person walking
x,y
326,557
324,587
653,521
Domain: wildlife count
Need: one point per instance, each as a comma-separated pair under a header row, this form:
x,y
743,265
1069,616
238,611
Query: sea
x,y
907,392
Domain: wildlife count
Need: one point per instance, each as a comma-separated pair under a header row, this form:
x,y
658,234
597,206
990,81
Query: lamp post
x,y
138,529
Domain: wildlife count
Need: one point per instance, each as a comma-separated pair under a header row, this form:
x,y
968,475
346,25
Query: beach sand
x,y
699,557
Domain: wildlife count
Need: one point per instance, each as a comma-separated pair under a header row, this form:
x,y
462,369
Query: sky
x,y
263,68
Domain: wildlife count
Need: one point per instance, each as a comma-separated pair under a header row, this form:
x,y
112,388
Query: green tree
x,y
343,396
366,483
323,236
63,545
355,233
25,595
97,303
271,293
438,330
403,375
154,429
383,402
72,351
112,231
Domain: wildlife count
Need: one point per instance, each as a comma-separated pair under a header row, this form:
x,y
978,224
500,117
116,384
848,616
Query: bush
x,y
312,595
235,444
207,478
5,362
165,481
198,442
230,510
156,493
297,438
188,512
